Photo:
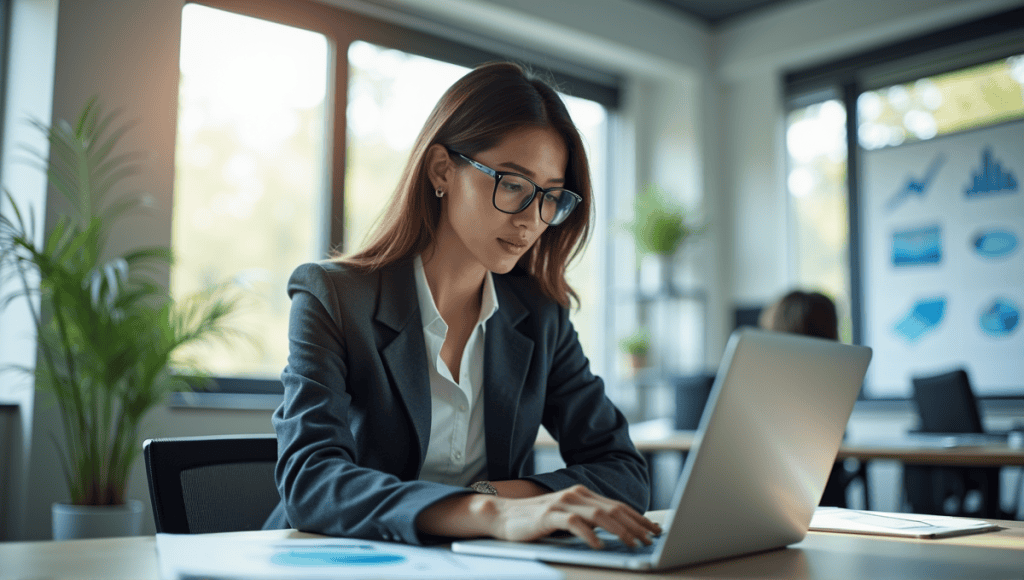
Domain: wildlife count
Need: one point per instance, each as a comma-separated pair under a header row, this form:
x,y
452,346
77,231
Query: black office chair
x,y
211,484
691,397
946,404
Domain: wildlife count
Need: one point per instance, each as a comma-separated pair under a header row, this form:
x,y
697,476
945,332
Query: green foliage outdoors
x,y
107,332
659,226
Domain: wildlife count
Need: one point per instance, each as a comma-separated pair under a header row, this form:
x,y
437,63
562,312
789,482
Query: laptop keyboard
x,y
611,544
617,546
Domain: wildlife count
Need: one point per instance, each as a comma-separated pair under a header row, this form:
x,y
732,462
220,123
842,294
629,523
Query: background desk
x,y
905,450
821,555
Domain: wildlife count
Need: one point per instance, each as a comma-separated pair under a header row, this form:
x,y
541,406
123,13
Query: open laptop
x,y
762,455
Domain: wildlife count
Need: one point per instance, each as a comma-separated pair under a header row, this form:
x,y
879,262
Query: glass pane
x,y
390,94
964,99
585,274
816,143
249,173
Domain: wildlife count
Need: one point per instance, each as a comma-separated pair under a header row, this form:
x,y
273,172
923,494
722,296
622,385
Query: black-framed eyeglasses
x,y
514,192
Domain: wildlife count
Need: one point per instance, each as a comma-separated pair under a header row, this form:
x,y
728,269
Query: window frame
x,y
949,49
403,32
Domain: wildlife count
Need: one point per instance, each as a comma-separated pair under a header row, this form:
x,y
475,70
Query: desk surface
x,y
821,555
906,450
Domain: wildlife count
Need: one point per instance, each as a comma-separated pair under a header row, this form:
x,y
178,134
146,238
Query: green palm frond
x,y
107,331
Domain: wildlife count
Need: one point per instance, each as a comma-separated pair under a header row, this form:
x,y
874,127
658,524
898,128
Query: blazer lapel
x,y
507,354
406,355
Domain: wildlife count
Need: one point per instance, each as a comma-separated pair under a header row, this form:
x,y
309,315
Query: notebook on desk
x,y
762,455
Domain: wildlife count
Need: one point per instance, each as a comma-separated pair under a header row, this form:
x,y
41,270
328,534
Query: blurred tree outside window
x,y
249,173
819,214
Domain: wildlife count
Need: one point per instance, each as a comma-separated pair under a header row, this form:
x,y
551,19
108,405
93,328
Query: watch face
x,y
484,487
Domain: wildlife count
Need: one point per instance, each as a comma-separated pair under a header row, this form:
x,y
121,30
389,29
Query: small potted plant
x,y
107,332
637,346
659,227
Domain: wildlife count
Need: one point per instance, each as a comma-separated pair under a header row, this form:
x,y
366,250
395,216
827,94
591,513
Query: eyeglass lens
x,y
514,193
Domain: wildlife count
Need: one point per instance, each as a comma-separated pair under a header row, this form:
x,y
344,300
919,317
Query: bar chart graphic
x,y
991,178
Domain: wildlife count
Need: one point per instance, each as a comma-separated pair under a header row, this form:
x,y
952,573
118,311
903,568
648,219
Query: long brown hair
x,y
475,114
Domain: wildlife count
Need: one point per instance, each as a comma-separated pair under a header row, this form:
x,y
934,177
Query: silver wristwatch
x,y
484,487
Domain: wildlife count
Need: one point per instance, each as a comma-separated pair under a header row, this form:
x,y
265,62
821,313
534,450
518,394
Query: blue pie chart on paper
x,y
1000,319
335,557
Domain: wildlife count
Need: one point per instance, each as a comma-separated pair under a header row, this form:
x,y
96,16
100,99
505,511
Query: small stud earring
x,y
438,193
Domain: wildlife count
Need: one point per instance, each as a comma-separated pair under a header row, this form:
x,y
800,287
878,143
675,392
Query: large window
x,y
816,145
841,116
268,176
249,179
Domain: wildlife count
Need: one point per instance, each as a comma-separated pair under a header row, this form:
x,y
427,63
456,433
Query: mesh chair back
x,y
211,484
946,403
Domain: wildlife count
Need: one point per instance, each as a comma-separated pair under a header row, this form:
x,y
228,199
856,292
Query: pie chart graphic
x,y
335,557
995,243
1000,319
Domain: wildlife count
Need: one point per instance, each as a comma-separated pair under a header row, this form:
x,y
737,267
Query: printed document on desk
x,y
831,519
188,556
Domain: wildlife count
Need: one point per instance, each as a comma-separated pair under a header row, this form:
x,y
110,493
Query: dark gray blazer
x,y
355,422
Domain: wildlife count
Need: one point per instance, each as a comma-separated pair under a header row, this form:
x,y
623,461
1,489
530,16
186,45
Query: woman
x,y
422,366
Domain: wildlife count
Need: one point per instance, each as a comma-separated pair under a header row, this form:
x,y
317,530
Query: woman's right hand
x,y
575,510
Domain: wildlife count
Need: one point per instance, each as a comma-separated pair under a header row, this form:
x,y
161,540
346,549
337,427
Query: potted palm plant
x,y
107,332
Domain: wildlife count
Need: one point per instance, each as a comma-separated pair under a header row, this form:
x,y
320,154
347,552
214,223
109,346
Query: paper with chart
x,y
830,519
189,556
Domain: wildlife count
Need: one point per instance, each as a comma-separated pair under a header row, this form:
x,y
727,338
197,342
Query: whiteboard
x,y
942,250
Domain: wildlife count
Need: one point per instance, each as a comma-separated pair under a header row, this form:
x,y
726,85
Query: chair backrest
x,y
946,403
691,397
211,484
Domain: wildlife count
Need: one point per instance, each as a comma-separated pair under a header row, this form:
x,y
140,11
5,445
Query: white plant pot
x,y
73,522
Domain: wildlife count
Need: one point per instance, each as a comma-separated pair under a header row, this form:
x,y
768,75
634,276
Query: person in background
x,y
422,366
807,313
811,314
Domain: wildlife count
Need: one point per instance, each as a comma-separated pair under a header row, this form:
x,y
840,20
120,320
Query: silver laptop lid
x,y
765,446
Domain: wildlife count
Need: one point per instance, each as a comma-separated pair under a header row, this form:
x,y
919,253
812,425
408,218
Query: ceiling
x,y
715,12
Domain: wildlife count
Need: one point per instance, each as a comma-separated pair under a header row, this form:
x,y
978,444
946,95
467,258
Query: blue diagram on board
x,y
917,247
341,556
924,317
916,187
990,179
1000,319
994,243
